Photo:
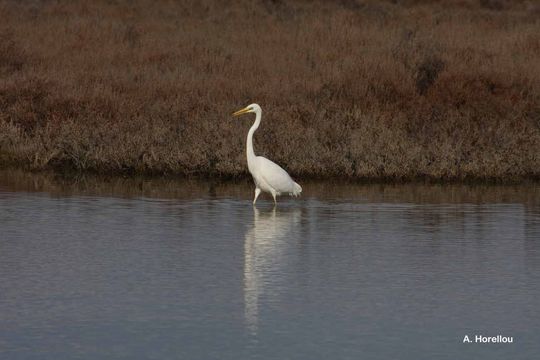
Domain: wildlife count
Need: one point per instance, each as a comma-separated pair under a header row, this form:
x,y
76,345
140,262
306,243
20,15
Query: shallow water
x,y
158,269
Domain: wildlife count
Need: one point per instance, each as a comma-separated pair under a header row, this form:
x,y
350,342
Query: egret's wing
x,y
274,175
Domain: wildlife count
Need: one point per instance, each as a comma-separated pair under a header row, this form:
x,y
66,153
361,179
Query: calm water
x,y
139,269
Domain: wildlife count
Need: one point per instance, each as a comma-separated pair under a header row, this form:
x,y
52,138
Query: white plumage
x,y
268,176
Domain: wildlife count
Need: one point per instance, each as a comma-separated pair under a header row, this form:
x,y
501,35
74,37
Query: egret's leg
x,y
274,196
257,193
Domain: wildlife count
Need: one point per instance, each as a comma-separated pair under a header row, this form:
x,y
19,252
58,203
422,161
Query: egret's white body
x,y
268,176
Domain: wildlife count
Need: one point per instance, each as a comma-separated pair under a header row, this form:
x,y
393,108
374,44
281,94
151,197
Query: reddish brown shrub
x,y
376,89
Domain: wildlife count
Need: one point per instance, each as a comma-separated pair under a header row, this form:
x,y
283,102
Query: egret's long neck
x,y
249,144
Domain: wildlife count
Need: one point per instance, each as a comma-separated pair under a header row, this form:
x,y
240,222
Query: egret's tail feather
x,y
297,189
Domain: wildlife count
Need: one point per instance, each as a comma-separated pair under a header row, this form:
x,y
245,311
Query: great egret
x,y
268,176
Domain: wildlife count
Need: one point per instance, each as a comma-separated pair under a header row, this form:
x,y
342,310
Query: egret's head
x,y
253,108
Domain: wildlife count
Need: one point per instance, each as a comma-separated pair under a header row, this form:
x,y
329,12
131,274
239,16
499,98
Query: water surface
x,y
95,268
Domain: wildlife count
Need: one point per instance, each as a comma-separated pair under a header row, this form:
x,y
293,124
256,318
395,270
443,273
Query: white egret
x,y
268,176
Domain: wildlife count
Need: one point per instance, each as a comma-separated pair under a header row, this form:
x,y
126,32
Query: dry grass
x,y
363,89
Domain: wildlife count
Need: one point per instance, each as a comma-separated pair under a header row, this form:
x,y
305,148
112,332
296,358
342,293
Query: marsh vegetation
x,y
358,89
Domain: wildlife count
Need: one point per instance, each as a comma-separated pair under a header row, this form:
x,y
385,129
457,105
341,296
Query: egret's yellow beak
x,y
240,112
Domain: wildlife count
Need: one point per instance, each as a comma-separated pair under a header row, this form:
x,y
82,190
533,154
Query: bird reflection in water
x,y
265,258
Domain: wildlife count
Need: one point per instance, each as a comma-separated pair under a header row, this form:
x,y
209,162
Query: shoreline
x,y
86,184
70,173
